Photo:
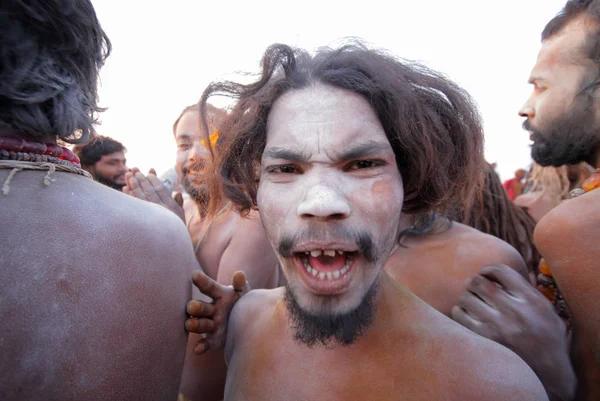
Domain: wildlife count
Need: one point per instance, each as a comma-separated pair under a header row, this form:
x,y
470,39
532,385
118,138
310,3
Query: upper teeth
x,y
326,252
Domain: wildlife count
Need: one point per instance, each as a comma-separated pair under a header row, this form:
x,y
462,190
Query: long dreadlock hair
x,y
493,213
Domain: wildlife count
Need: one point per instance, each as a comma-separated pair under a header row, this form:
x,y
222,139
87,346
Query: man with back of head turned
x,y
77,257
329,148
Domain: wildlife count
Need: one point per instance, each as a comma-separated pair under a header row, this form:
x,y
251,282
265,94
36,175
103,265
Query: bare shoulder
x,y
251,221
575,218
501,374
477,249
249,250
145,223
248,314
483,369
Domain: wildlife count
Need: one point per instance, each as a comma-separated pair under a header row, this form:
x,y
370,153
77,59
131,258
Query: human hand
x,y
151,189
502,306
210,319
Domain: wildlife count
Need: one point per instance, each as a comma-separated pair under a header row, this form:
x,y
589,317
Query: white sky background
x,y
165,53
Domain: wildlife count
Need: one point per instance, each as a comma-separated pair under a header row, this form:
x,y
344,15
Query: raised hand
x,y
211,319
151,189
502,306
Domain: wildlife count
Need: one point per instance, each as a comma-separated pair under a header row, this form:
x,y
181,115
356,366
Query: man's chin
x,y
546,156
325,324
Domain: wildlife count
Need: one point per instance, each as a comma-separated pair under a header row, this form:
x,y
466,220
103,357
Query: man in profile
x,y
104,158
563,120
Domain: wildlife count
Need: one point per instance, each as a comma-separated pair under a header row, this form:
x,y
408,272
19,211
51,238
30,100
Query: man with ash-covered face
x,y
344,142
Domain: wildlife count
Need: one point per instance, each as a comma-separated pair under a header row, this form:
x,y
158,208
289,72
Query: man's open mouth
x,y
326,270
327,264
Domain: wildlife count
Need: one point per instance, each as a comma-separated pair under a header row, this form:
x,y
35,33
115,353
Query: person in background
x,y
548,186
225,242
104,158
514,186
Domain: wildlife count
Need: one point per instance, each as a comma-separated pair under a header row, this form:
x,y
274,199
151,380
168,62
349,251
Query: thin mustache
x,y
361,239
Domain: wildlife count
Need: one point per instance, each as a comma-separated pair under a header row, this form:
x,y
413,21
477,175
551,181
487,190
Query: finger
x,y
206,285
135,188
465,319
200,326
134,170
490,292
201,347
126,190
200,309
148,188
240,283
476,307
152,171
178,197
507,277
160,189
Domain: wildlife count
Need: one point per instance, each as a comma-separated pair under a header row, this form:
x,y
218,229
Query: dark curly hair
x,y
50,55
492,212
91,152
432,124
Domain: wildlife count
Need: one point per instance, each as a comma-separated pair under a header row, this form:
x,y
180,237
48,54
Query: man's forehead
x,y
568,46
114,156
321,114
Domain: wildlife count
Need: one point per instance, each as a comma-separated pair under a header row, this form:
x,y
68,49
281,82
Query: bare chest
x,y
268,368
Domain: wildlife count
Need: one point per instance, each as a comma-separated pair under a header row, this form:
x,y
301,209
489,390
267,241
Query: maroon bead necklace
x,y
22,150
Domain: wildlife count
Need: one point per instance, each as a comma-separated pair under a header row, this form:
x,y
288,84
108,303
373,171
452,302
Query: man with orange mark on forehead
x,y
224,241
343,142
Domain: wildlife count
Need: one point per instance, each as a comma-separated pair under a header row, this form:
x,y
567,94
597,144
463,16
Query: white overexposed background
x,y
165,53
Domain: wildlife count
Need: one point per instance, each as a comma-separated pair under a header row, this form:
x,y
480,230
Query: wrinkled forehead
x,y
319,118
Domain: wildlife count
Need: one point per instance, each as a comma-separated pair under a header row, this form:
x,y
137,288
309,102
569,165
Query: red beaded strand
x,y
21,149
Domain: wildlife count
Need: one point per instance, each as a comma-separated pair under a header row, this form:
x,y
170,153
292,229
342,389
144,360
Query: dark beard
x,y
109,183
199,195
344,329
571,139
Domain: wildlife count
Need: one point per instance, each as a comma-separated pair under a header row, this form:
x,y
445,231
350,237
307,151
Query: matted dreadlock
x,y
493,213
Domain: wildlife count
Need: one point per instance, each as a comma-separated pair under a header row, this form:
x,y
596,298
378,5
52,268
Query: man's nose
x,y
195,153
324,202
527,110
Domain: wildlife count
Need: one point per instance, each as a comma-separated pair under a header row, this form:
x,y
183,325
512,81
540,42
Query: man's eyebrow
x,y
361,150
285,154
534,79
185,135
371,148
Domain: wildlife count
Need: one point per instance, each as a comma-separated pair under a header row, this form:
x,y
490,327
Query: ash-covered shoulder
x,y
482,369
131,226
248,315
256,302
483,249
